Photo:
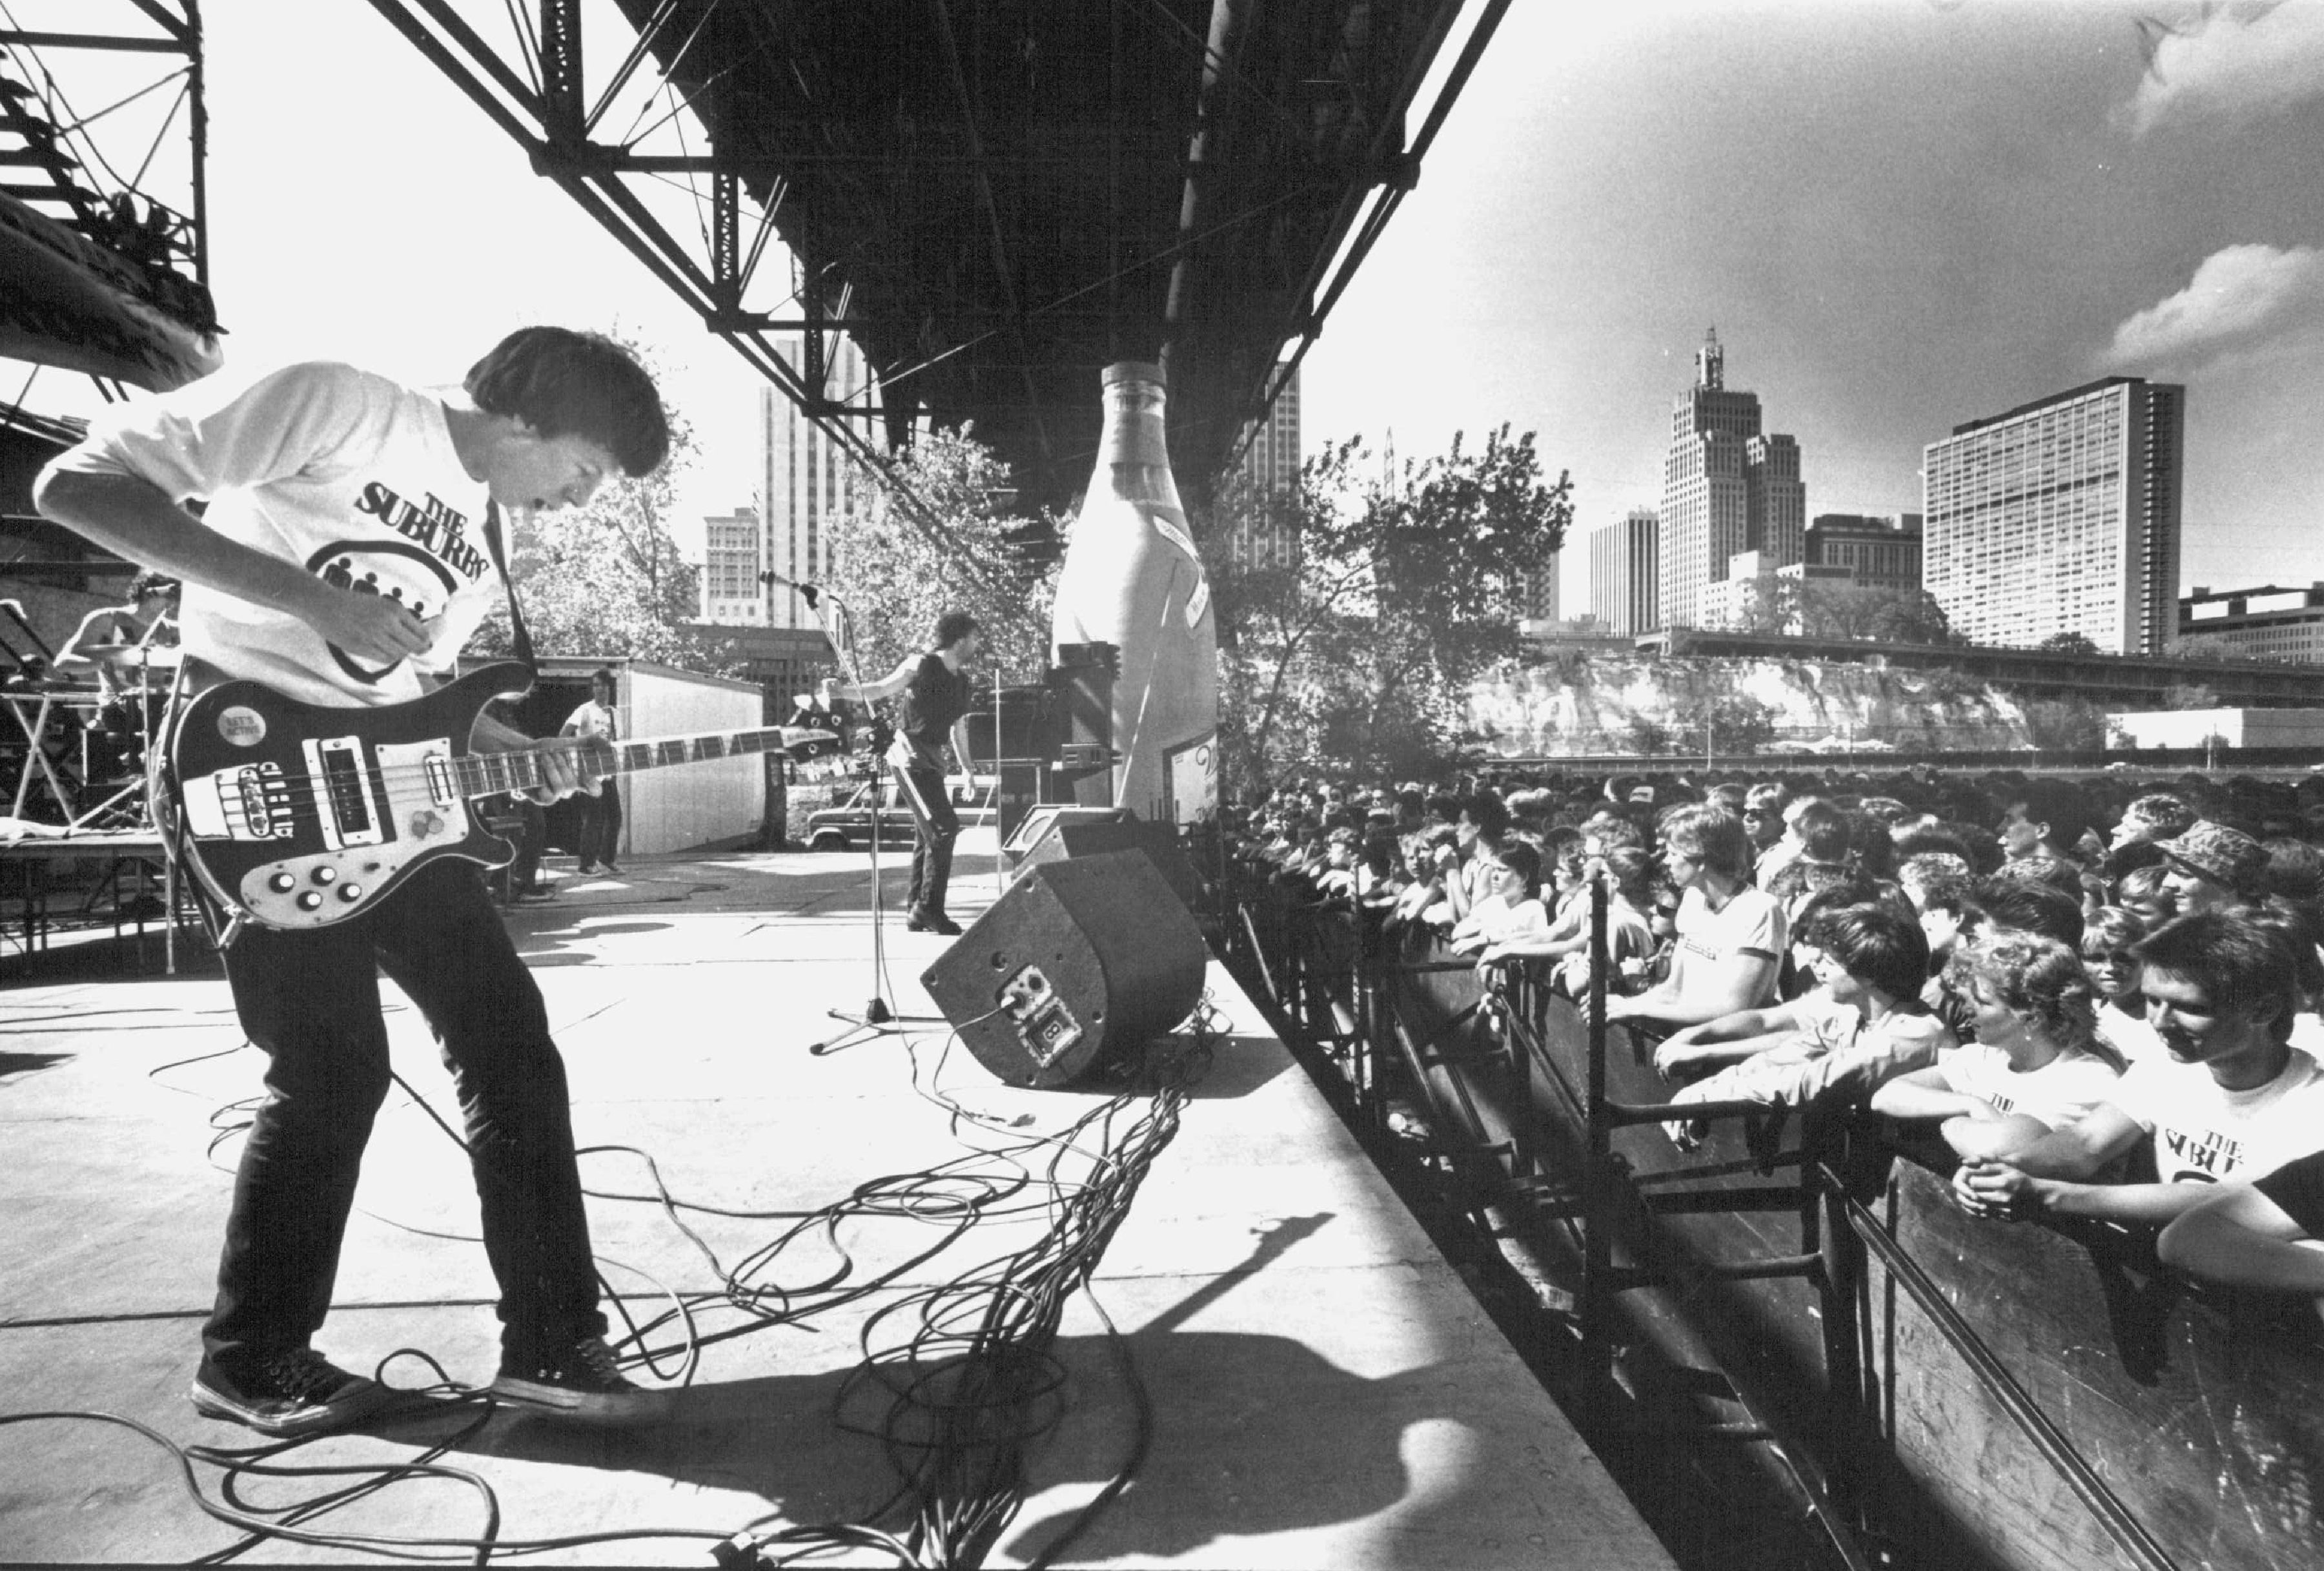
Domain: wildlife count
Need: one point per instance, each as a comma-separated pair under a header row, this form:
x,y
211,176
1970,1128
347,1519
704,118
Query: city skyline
x,y
1899,215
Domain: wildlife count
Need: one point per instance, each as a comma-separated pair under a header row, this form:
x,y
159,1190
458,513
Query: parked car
x,y
848,826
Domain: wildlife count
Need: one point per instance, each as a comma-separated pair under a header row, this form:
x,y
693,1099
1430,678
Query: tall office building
x,y
809,489
1878,552
2061,516
731,590
1727,489
1264,536
1625,567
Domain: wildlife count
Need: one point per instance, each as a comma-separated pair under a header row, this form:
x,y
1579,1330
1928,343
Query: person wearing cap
x,y
2156,817
2212,867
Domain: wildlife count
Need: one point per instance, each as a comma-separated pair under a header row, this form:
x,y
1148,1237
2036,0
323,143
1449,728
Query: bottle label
x,y
1199,600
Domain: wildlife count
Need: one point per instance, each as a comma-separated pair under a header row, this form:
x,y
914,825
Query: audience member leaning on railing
x,y
2036,1063
1863,1024
1731,934
2231,1100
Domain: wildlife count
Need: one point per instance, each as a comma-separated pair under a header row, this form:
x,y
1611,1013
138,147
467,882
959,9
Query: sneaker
x,y
588,868
921,922
538,892
584,1384
296,1393
609,869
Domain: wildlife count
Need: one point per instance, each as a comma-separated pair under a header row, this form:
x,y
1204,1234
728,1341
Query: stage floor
x,y
1324,1392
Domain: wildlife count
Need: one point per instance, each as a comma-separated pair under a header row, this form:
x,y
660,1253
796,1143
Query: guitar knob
x,y
350,892
309,902
280,883
327,876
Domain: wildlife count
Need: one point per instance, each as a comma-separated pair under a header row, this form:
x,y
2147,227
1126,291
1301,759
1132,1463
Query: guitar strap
x,y
499,548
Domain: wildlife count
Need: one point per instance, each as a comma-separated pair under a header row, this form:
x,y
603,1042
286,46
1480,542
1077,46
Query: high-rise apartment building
x,y
1264,535
1625,564
1727,489
2061,516
731,589
808,488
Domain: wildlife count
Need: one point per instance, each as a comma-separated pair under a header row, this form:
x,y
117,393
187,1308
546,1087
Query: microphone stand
x,y
877,1020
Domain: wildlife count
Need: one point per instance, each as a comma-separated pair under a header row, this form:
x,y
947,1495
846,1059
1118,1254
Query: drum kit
x,y
90,725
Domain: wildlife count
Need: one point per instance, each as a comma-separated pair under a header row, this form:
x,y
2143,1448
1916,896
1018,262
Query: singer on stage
x,y
934,699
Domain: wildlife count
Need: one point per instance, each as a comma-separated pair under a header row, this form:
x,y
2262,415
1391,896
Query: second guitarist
x,y
342,559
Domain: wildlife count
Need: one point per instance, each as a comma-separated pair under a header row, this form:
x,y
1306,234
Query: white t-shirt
x,y
2128,1034
346,473
2209,1135
2058,1093
1751,923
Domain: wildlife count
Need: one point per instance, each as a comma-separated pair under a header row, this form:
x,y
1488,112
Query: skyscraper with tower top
x,y
1727,490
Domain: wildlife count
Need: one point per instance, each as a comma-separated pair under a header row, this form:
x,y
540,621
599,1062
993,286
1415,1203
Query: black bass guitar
x,y
299,816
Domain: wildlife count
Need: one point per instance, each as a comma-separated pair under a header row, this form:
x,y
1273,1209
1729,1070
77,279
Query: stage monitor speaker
x,y
1078,965
1070,836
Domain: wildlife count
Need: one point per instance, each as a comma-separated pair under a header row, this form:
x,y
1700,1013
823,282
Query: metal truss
x,y
648,184
88,105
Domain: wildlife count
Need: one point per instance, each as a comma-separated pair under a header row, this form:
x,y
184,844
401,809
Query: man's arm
x,y
2239,1237
2051,1174
136,520
887,686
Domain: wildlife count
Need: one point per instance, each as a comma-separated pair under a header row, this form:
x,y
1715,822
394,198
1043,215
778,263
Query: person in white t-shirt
x,y
1731,935
2037,1062
1862,1025
2109,941
348,547
2230,1100
1510,910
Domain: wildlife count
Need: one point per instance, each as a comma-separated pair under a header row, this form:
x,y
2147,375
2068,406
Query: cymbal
x,y
136,654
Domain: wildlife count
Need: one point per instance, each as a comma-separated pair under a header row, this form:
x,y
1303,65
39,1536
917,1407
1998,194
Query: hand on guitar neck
x,y
562,765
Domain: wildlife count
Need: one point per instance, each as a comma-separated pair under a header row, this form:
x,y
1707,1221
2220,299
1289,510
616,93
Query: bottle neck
x,y
1134,428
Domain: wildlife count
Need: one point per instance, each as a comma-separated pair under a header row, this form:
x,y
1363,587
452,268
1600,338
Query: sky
x,y
1898,214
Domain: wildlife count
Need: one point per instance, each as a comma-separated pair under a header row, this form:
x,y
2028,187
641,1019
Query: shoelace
x,y
595,1359
299,1372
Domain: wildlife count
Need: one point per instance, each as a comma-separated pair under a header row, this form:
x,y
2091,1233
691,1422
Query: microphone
x,y
810,592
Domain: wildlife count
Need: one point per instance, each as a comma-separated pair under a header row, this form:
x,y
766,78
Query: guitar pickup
x,y
345,800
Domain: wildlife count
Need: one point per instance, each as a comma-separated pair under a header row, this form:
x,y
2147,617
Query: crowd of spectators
x,y
2101,995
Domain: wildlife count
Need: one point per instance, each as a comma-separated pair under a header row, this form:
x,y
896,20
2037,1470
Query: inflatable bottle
x,y
1132,579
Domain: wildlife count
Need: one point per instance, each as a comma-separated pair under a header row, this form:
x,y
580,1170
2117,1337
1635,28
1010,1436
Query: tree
x,y
1844,611
1356,647
2190,696
2069,643
954,548
606,578
2068,725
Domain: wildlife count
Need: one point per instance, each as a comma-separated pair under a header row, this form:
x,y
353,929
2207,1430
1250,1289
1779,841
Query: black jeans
x,y
939,827
310,1001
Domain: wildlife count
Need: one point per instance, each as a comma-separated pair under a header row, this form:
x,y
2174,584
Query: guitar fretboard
x,y
485,774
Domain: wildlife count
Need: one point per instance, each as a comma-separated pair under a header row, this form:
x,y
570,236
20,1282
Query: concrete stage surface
x,y
1324,1392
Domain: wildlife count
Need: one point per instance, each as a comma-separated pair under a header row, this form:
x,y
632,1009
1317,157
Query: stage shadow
x,y
1251,1434
557,946
15,1064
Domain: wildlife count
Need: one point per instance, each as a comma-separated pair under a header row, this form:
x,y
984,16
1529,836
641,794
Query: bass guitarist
x,y
348,548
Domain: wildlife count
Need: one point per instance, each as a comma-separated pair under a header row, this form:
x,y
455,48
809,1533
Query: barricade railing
x,y
1348,996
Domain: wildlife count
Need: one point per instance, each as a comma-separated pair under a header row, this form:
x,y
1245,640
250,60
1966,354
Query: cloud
x,y
2240,62
2237,292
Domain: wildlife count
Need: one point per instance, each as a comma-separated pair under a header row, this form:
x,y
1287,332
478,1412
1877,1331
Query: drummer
x,y
127,646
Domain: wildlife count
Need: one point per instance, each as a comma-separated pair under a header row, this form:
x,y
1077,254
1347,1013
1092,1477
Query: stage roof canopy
x,y
995,199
